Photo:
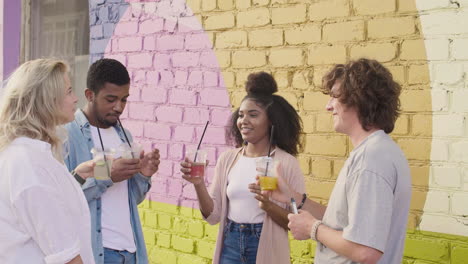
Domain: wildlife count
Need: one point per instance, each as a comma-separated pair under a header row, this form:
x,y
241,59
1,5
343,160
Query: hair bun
x,y
261,83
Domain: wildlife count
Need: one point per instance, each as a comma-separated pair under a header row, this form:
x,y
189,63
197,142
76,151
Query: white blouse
x,y
243,207
44,216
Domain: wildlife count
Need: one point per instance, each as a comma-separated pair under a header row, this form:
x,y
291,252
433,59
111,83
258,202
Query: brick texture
x,y
189,61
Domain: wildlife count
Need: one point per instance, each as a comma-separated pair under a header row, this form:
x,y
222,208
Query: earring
x,y
246,142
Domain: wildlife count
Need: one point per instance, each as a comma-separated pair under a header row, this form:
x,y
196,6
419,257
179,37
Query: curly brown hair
x,y
369,87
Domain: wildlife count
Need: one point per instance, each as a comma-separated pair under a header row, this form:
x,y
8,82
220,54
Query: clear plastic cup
x,y
103,163
132,152
266,169
198,159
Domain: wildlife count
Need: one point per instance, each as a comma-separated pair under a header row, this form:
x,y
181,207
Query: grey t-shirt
x,y
370,200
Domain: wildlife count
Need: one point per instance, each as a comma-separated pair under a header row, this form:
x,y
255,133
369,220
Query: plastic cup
x,y
266,169
103,166
198,159
128,152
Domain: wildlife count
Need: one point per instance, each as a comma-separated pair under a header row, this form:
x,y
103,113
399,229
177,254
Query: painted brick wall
x,y
189,61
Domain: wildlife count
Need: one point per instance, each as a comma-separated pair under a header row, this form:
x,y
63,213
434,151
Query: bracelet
x,y
313,232
77,177
304,197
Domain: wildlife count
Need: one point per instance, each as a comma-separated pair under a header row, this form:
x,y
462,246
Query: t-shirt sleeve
x,y
370,205
43,214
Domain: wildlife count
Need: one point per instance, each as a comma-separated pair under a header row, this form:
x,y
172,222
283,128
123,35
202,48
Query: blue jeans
x,y
240,243
112,256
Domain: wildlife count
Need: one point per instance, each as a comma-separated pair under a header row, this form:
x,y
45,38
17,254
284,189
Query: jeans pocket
x,y
258,232
225,231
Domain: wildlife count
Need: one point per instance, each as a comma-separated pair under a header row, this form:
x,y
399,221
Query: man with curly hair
x,y
366,216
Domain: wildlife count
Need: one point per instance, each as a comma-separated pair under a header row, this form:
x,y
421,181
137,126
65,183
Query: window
x,y
58,28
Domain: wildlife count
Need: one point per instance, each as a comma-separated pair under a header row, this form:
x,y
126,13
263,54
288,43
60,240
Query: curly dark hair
x,y
260,88
106,70
369,87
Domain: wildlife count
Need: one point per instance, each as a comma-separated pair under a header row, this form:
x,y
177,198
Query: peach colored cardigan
x,y
274,244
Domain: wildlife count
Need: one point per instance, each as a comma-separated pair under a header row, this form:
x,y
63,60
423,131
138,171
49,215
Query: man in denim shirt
x,y
117,235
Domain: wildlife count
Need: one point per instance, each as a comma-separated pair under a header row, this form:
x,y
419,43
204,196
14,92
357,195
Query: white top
x,y
370,200
243,207
115,217
44,216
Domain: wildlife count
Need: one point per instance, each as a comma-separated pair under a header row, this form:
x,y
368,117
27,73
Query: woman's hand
x,y
263,199
85,169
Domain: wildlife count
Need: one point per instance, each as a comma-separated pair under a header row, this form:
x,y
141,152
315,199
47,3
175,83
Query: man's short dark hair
x,y
106,70
369,87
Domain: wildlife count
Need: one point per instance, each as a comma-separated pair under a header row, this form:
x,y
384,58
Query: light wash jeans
x,y
240,243
112,256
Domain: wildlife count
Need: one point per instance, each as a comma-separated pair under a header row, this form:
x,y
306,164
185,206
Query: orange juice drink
x,y
266,169
268,183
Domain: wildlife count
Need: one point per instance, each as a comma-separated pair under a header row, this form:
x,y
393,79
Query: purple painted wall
x,y
11,35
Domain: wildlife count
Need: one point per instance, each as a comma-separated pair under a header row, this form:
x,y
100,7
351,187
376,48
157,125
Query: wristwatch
x,y
78,178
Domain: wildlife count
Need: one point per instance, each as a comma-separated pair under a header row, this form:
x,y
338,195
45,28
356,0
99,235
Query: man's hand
x,y
150,163
85,169
124,169
301,224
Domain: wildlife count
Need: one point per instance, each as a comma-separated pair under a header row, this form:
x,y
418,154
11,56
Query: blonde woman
x,y
43,212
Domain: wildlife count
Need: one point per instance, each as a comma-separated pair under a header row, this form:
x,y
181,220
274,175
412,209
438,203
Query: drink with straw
x,y
198,159
266,169
103,163
130,151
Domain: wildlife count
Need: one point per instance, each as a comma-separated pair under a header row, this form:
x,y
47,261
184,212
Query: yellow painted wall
x,y
298,41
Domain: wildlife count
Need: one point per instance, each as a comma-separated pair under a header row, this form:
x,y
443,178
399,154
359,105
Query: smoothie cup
x,y
198,159
103,163
266,169
128,152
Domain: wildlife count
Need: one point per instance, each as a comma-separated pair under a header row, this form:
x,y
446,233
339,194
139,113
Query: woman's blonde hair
x,y
31,103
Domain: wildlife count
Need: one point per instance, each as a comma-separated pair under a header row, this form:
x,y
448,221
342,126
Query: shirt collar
x,y
42,145
81,119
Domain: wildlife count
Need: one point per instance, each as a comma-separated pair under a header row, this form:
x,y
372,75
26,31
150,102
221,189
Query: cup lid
x,y
106,150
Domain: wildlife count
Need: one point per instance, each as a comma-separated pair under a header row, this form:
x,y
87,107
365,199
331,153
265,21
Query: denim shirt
x,y
79,148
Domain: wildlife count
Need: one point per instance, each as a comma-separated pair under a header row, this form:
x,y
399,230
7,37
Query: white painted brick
x,y
446,177
459,101
443,224
439,100
431,4
459,151
437,202
150,7
437,49
448,73
439,150
448,125
459,204
444,22
460,49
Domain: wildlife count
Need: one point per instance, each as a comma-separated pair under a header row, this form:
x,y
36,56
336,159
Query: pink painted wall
x,y
176,86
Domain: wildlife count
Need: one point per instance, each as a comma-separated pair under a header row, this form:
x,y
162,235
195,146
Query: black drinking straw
x,y
269,148
199,143
126,138
103,152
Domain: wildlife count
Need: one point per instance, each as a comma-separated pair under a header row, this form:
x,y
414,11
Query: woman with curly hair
x,y
252,229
